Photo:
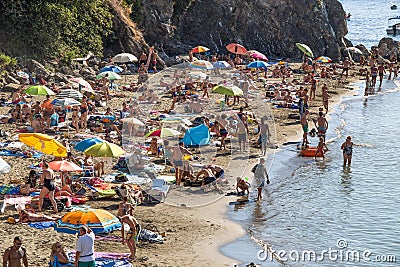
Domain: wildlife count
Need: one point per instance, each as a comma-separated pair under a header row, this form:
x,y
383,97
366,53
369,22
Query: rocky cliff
x,y
173,26
270,26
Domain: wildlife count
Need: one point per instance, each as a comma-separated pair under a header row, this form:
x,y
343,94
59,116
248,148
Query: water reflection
x,y
346,179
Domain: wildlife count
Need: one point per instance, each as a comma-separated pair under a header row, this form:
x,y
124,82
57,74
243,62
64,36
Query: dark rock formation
x,y
270,26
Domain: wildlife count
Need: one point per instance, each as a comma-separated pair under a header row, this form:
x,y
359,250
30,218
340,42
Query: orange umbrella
x,y
236,49
100,221
64,166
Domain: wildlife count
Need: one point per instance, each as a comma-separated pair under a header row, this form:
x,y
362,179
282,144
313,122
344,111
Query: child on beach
x,y
321,148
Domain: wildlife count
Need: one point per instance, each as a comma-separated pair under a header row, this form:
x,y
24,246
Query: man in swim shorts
x,y
304,125
322,125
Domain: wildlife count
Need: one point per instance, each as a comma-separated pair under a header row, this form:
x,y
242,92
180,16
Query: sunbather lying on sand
x,y
25,217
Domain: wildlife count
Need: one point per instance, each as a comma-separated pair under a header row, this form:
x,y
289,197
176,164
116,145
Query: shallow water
x,y
369,20
322,203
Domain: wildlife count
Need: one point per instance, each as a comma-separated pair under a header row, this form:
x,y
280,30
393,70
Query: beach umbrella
x,y
305,49
88,142
257,65
228,90
124,58
98,220
200,49
4,166
70,93
236,49
163,132
105,149
323,59
83,83
111,68
64,166
38,90
65,102
43,143
353,50
221,65
132,120
259,55
110,75
201,64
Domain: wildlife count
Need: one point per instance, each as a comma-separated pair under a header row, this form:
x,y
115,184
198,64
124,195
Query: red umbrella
x,y
64,166
236,49
200,49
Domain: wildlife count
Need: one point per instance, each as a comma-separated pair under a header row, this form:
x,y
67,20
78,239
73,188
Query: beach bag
x,y
146,234
121,178
253,170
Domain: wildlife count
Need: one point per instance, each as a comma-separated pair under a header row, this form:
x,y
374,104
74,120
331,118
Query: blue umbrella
x,y
111,68
86,143
257,65
221,65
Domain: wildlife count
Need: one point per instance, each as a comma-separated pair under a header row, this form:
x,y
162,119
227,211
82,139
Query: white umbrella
x,y
65,102
70,93
132,120
124,58
85,85
4,166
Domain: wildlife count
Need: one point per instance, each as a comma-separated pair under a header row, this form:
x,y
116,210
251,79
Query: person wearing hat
x,y
347,148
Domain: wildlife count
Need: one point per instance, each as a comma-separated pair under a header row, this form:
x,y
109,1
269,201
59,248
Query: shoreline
x,y
297,138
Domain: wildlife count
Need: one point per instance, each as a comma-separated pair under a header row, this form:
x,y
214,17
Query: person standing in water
x,y
347,148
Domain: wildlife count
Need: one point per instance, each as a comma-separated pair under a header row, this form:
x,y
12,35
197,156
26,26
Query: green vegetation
x,y
6,62
61,28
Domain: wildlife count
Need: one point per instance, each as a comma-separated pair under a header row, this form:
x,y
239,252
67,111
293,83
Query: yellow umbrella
x,y
105,149
43,143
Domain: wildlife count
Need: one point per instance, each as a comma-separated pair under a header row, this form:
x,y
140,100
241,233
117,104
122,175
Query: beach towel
x,y
113,238
9,153
41,225
107,259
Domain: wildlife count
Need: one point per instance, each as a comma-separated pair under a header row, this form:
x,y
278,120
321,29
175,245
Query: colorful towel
x,y
9,153
107,259
41,225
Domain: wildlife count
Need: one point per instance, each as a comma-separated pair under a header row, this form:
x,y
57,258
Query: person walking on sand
x,y
84,256
15,255
321,148
264,136
381,72
325,97
47,179
346,66
177,160
260,175
347,148
132,234
304,125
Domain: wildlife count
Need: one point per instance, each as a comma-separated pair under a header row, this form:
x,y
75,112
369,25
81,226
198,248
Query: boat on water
x,y
393,7
393,26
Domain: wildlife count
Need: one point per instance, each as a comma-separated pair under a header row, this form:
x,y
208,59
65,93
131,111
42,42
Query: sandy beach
x,y
195,223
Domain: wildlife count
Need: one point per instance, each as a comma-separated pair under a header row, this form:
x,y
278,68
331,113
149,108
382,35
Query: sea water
x,y
369,20
319,213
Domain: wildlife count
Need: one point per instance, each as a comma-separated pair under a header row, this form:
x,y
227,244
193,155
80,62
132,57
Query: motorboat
x,y
393,6
393,26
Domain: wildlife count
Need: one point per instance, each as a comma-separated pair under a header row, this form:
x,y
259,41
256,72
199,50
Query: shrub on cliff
x,y
61,28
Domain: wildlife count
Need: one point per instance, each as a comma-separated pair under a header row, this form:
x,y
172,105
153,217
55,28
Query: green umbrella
x,y
105,149
110,75
305,49
38,90
230,91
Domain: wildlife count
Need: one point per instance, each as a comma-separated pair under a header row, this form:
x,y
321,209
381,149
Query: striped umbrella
x,y
323,59
83,83
305,49
98,220
200,49
70,93
88,142
65,102
201,64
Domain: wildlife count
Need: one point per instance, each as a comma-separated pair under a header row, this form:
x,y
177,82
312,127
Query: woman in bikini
x,y
84,113
347,148
47,179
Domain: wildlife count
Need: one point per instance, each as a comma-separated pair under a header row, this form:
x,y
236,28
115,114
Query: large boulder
x,y
38,68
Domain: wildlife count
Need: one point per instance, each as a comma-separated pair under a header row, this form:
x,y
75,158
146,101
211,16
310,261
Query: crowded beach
x,y
141,151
